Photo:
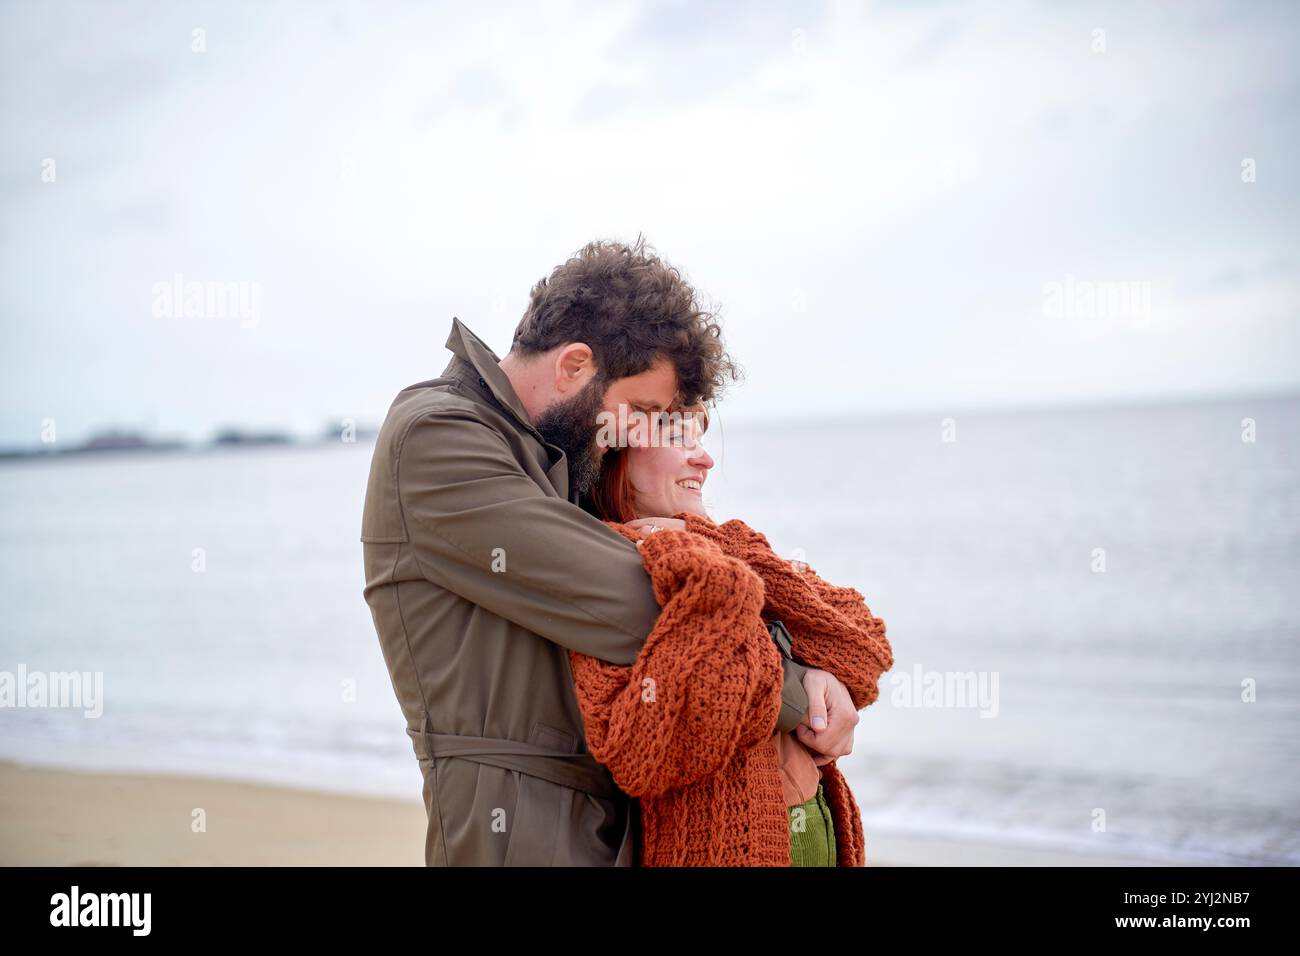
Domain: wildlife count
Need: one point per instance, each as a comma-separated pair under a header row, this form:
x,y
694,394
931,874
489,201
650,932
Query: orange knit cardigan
x,y
687,728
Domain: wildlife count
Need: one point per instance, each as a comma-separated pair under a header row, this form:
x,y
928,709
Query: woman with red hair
x,y
689,729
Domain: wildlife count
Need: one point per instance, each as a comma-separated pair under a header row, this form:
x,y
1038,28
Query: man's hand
x,y
827,728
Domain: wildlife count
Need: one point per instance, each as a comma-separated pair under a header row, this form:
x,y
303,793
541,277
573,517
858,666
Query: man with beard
x,y
481,569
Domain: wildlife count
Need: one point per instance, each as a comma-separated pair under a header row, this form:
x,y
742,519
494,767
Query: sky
x,y
891,206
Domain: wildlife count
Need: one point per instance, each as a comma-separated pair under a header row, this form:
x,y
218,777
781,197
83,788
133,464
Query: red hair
x,y
612,496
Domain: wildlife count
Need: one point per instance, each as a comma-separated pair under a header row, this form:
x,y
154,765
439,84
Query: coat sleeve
x,y
482,528
479,526
831,628
707,684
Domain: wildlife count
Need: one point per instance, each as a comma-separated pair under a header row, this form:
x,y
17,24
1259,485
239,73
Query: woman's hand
x,y
662,524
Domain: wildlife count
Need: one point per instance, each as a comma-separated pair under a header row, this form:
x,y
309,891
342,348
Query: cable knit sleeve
x,y
831,628
705,686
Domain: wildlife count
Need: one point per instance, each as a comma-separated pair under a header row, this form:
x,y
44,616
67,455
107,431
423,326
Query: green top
x,y
812,832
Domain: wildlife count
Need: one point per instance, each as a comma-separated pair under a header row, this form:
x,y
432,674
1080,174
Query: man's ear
x,y
575,366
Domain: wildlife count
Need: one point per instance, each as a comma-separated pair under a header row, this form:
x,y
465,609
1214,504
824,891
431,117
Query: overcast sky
x,y
878,197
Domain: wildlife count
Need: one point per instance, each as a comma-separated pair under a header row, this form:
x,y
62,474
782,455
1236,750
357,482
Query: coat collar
x,y
481,361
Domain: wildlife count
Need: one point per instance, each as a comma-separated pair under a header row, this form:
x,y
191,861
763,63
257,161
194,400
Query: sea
x,y
1094,614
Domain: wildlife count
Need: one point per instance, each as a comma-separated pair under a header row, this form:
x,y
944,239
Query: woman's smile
x,y
694,485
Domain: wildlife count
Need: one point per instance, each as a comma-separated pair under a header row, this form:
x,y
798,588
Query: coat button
x,y
483,383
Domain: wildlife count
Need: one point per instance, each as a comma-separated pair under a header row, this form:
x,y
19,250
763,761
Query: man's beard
x,y
572,425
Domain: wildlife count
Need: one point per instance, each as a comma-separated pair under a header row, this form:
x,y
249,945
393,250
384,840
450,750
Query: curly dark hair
x,y
630,308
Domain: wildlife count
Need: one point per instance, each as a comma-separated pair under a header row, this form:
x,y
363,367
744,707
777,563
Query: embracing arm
x,y
831,628
482,528
707,684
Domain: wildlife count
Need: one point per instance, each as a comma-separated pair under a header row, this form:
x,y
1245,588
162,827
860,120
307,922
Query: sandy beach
x,y
67,818
62,818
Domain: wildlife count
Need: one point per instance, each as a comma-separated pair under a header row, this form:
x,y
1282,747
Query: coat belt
x,y
578,771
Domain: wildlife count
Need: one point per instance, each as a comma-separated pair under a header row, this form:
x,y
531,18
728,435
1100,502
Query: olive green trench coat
x,y
480,573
